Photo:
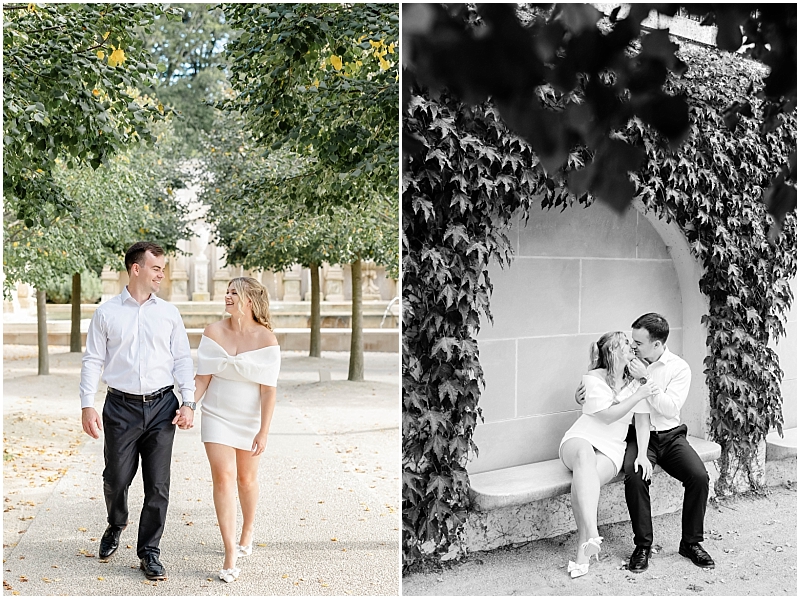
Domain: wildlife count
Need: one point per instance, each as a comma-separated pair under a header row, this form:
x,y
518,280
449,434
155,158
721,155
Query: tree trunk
x,y
356,372
314,350
41,330
75,330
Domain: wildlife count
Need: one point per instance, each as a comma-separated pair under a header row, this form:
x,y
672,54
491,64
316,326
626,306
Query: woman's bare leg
x,y
247,481
223,474
590,471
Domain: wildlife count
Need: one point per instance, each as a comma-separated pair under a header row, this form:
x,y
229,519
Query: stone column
x,y
179,275
221,275
291,284
369,290
334,283
110,280
200,272
23,296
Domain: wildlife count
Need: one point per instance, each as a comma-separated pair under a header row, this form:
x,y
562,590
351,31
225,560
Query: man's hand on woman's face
x,y
637,368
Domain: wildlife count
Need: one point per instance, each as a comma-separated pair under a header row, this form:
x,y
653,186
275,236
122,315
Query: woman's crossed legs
x,y
590,471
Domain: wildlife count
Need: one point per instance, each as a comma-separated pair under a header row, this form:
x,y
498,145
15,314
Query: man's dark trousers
x,y
132,429
671,451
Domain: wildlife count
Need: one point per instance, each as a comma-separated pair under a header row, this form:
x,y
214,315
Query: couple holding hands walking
x,y
140,344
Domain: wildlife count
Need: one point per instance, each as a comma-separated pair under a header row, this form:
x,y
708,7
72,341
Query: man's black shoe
x,y
152,567
110,541
696,553
639,559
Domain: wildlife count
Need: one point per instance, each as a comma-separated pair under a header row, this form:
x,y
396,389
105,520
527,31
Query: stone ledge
x,y
781,448
524,484
290,339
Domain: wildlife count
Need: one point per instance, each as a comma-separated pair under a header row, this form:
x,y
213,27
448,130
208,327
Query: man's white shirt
x,y
672,376
139,349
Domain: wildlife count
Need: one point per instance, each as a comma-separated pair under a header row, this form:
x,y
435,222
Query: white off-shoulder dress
x,y
606,438
231,407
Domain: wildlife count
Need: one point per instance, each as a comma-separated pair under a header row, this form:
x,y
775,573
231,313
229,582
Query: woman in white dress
x,y
238,363
593,448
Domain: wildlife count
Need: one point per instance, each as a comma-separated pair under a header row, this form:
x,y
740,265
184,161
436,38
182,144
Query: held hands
x,y
259,443
643,463
92,425
648,389
184,418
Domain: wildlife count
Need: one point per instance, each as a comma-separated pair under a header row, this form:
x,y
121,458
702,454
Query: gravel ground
x,y
328,521
753,540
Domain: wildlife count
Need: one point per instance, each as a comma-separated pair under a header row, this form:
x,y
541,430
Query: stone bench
x,y
532,501
781,458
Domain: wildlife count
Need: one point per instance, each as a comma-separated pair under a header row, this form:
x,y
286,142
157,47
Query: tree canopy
x,y
192,51
70,75
321,80
525,59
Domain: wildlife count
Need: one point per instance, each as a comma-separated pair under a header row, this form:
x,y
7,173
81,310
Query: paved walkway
x,y
329,517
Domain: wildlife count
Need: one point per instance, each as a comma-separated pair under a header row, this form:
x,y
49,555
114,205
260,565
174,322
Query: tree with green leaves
x,y
321,80
70,74
191,51
70,79
129,198
257,206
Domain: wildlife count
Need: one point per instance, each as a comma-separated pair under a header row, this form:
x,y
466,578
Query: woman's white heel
x,y
229,575
576,570
244,550
592,547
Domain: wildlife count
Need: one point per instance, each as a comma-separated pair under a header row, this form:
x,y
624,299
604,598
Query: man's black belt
x,y
145,398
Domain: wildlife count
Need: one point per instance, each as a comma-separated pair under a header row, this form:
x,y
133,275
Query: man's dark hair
x,y
655,324
135,253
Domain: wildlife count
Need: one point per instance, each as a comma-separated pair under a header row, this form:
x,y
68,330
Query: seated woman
x,y
593,448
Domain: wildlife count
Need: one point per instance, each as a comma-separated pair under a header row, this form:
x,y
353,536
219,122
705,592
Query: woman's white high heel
x,y
576,570
230,574
592,547
244,550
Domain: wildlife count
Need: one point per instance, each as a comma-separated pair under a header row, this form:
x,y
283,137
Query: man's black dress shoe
x,y
639,559
110,541
153,569
696,553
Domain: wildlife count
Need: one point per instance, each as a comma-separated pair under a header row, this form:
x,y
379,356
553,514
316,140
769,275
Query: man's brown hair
x,y
135,253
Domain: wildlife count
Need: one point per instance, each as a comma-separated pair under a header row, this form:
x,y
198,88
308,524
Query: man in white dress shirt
x,y
139,343
667,447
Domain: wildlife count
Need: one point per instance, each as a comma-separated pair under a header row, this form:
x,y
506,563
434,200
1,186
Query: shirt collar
x,y
126,295
666,357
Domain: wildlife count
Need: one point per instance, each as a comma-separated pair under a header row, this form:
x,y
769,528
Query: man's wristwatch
x,y
189,404
642,381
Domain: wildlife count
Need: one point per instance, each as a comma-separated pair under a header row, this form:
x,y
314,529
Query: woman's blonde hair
x,y
602,354
249,288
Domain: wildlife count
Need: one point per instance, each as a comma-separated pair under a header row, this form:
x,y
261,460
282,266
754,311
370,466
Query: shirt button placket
x,y
141,350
